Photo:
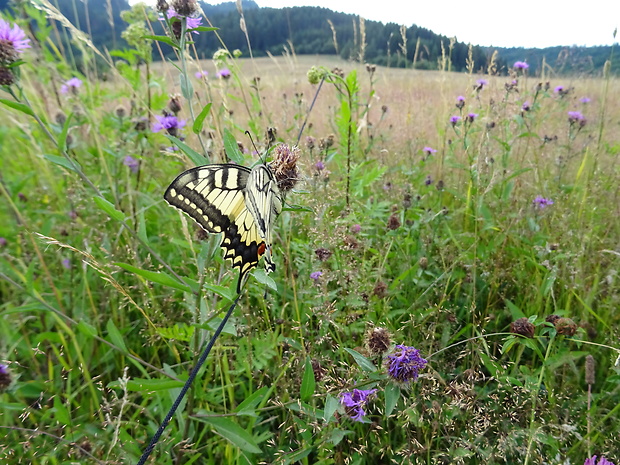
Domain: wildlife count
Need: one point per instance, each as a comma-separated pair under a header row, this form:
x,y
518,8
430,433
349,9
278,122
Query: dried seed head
x,y
423,263
566,326
175,103
393,222
380,290
590,375
185,7
7,77
271,135
552,319
284,166
523,327
323,254
378,341
120,111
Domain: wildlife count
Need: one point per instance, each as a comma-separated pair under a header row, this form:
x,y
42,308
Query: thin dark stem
x,y
316,95
186,386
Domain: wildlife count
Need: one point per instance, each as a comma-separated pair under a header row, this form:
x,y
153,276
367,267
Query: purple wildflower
x,y
319,166
5,369
224,73
3,242
404,364
201,74
558,89
428,181
193,23
460,102
585,100
480,83
12,40
576,117
131,163
168,122
429,150
541,202
602,461
5,377
355,401
72,85
316,275
521,65
471,117
454,119
66,263
526,106
356,228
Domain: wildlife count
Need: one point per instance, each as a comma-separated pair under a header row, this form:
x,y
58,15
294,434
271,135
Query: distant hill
x,y
315,30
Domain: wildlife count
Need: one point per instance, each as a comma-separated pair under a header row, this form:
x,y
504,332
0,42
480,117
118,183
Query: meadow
x,y
468,221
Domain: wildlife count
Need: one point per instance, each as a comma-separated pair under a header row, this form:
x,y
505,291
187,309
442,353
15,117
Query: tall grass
x,y
406,221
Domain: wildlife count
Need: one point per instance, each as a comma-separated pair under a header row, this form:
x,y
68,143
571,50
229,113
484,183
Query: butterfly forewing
x,y
233,200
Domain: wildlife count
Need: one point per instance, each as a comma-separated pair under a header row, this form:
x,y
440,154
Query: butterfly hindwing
x,y
231,199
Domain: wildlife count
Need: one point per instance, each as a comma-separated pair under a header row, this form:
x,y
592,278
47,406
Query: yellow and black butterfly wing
x,y
215,197
264,201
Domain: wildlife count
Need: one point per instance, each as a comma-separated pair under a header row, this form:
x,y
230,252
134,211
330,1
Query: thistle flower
x,y
585,100
480,83
284,166
454,119
174,105
576,117
355,229
561,91
13,41
3,242
131,163
471,117
5,377
72,85
310,142
319,166
429,151
526,106
168,122
541,202
201,74
404,364
521,65
224,73
185,7
393,222
355,401
66,263
316,275
428,181
602,461
460,102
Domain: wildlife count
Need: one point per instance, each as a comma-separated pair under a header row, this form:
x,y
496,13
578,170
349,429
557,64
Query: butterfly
x,y
240,202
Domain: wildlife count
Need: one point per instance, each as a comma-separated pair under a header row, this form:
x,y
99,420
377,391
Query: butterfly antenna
x,y
247,133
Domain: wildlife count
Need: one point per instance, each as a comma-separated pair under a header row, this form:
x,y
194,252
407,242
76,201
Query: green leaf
x,y
248,406
17,106
297,456
194,156
164,39
187,89
204,29
62,161
362,361
331,405
307,383
87,329
115,337
233,433
338,435
265,279
60,412
156,277
62,137
200,119
232,148
392,394
148,385
107,207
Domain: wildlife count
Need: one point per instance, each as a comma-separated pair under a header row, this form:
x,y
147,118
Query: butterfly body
x,y
240,202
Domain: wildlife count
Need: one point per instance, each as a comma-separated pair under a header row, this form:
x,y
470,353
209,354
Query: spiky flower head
x,y
404,364
13,41
185,7
454,119
7,77
355,401
521,65
541,202
5,377
224,73
378,341
602,461
72,85
168,122
284,166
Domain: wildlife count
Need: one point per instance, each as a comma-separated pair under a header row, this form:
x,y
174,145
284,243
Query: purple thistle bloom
x,y
13,37
201,74
316,275
429,150
404,364
520,65
471,117
3,242
224,73
460,99
191,23
428,181
4,370
541,202
480,83
454,119
356,228
602,461
585,100
131,163
576,117
168,122
66,263
319,166
460,102
72,85
355,401
526,106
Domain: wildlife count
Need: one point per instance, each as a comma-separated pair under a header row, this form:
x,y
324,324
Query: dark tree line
x,y
308,30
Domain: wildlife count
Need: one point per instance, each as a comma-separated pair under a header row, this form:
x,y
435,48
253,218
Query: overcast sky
x,y
526,23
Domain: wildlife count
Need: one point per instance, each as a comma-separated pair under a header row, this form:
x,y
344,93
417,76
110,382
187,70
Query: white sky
x,y
502,23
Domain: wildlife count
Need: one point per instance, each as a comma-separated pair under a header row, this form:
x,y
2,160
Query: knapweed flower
x,y
355,401
526,106
284,166
201,74
5,377
602,461
561,91
185,7
471,117
585,100
72,85
223,73
319,166
131,163
404,364
310,142
454,119
542,202
316,275
521,65
429,150
3,242
576,117
355,229
460,102
428,181
66,263
480,83
168,122
13,41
